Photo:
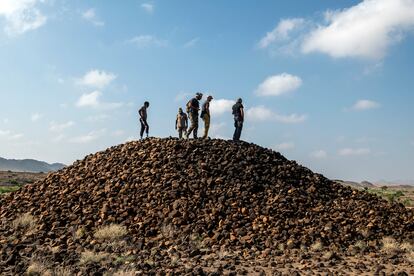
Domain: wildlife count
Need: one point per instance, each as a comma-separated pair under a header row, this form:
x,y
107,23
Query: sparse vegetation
x,y
111,232
8,189
92,257
25,221
316,247
35,269
390,246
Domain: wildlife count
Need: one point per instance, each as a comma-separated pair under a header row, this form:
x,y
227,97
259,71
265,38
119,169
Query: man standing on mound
x,y
143,119
193,106
205,115
238,113
181,123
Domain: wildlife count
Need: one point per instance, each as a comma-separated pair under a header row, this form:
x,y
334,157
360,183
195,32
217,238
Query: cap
x,y
210,97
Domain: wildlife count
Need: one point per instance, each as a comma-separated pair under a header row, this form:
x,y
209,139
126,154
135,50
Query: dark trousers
x,y
144,127
238,124
194,125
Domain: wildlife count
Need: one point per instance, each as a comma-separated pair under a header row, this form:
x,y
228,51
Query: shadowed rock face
x,y
170,193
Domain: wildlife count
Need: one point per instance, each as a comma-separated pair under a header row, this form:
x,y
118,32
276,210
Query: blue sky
x,y
327,83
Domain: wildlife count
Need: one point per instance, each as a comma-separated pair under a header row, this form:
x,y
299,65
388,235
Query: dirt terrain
x,y
205,207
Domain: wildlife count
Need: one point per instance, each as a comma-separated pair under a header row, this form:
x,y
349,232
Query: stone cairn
x,y
189,197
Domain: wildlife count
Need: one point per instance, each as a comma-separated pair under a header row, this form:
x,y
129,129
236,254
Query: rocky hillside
x,y
185,198
28,165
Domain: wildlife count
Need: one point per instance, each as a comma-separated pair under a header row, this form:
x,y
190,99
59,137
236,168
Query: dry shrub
x,y
62,271
92,257
26,221
35,269
360,245
407,247
410,256
111,232
316,247
390,246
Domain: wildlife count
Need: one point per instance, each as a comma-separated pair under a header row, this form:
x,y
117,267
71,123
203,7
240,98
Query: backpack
x,y
188,106
235,109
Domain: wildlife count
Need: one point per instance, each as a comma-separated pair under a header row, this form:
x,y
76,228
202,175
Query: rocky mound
x,y
171,194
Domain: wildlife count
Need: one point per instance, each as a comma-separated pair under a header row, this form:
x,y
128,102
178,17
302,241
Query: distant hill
x,y
362,184
28,165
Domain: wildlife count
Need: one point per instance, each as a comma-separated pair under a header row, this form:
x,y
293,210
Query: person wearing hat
x,y
181,123
193,107
238,113
205,115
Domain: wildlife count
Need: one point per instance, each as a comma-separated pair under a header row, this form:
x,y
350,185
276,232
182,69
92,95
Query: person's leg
x,y
239,129
206,125
235,131
195,126
142,128
146,128
180,133
192,126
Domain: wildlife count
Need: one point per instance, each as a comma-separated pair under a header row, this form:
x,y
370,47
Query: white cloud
x,y
261,113
56,127
36,117
149,8
191,43
90,15
92,100
89,100
284,146
97,79
10,135
354,151
5,132
365,30
90,137
147,41
216,129
280,32
21,16
221,106
365,105
319,154
278,84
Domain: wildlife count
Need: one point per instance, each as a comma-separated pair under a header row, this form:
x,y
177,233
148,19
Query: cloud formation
x,y
56,127
284,146
10,135
36,117
149,8
221,106
191,43
278,84
365,105
262,113
354,151
365,30
319,154
280,32
90,137
147,41
92,100
21,16
97,79
90,15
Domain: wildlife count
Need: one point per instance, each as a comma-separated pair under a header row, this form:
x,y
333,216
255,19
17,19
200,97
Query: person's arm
x,y
176,122
140,113
186,121
242,113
